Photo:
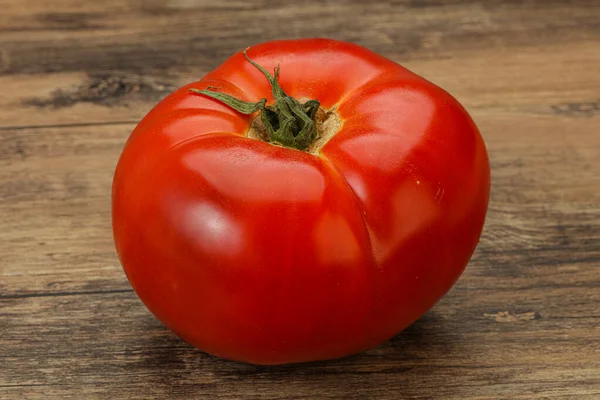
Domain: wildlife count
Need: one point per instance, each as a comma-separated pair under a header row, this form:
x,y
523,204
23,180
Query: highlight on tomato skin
x,y
306,200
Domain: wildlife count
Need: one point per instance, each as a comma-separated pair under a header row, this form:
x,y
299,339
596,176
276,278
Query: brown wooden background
x,y
75,77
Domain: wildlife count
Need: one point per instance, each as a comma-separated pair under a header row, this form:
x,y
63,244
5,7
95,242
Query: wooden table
x,y
75,77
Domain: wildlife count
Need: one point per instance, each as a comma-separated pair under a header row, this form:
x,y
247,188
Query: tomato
x,y
316,223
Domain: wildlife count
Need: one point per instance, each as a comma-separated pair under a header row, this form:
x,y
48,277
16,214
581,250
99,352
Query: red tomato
x,y
262,253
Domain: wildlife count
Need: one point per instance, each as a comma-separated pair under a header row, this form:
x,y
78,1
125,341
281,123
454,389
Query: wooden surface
x,y
522,322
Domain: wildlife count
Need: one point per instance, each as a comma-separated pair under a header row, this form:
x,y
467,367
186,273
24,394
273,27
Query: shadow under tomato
x,y
393,367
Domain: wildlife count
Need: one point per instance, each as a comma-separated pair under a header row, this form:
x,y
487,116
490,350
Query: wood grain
x,y
522,322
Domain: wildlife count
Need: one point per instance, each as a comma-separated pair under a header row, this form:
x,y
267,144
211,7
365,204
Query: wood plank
x,y
478,80
115,347
156,35
52,58
55,186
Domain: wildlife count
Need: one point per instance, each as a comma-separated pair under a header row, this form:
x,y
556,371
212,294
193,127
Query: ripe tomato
x,y
317,230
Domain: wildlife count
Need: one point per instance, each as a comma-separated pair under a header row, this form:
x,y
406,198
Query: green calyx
x,y
288,122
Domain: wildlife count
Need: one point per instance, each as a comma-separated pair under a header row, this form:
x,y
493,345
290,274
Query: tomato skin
x,y
271,255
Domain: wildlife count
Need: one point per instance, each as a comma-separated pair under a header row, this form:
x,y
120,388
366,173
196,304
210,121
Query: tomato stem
x,y
288,122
